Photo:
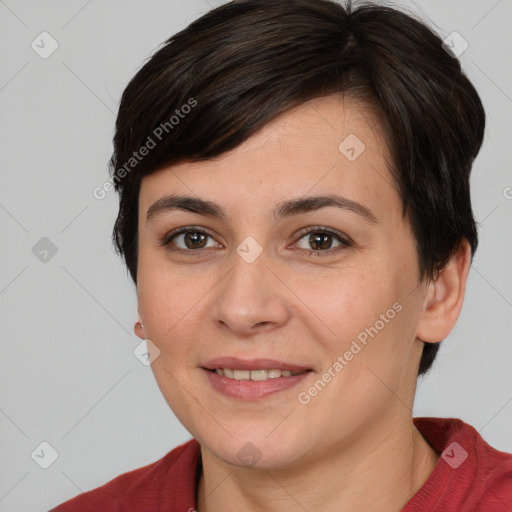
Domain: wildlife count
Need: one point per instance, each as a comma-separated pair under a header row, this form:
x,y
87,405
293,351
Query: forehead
x,y
325,145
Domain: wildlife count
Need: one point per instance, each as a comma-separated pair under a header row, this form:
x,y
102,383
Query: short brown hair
x,y
248,61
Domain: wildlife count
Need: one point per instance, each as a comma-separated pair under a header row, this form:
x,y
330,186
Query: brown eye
x,y
321,241
188,240
194,239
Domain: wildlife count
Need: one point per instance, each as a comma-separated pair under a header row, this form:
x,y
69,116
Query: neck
x,y
381,472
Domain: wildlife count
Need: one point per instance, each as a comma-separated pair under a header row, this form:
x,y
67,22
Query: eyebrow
x,y
284,209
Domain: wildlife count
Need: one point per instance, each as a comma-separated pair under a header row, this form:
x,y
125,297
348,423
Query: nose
x,y
250,298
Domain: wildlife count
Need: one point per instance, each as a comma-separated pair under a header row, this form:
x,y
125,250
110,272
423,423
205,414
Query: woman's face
x,y
333,290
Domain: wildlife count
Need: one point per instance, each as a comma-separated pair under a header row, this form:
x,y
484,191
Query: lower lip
x,y
253,389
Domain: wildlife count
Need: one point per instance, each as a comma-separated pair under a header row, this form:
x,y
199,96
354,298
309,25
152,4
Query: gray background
x,y
68,374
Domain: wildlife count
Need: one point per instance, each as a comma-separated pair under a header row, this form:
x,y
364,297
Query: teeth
x,y
253,374
259,375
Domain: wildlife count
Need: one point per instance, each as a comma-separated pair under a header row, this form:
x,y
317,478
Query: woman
x,y
295,213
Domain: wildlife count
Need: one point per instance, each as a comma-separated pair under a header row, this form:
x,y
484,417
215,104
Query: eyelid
x,y
185,229
323,229
345,242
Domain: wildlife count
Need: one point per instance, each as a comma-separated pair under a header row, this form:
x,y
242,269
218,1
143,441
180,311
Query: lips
x,y
253,364
253,390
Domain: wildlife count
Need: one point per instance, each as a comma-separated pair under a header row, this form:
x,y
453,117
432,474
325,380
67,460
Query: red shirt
x,y
470,476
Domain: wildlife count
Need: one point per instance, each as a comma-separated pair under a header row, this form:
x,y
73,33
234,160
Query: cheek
x,y
157,296
171,299
367,335
347,302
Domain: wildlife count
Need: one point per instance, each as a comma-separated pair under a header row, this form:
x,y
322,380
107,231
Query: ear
x,y
138,328
445,296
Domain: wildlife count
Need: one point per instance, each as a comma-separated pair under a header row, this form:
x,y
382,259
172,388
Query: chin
x,y
255,452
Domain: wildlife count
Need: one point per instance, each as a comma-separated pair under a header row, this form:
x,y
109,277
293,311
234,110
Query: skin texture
x,y
353,446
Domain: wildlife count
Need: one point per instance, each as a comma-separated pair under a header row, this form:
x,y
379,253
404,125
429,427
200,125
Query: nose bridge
x,y
249,295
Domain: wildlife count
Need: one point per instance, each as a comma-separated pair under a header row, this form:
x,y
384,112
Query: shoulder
x,y
170,479
470,474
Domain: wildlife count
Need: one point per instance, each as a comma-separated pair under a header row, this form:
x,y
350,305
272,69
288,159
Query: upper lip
x,y
252,364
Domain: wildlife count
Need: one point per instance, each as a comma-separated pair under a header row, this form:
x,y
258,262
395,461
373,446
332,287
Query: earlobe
x,y
445,297
138,328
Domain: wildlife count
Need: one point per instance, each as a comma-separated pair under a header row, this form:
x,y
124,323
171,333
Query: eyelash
x,y
316,230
